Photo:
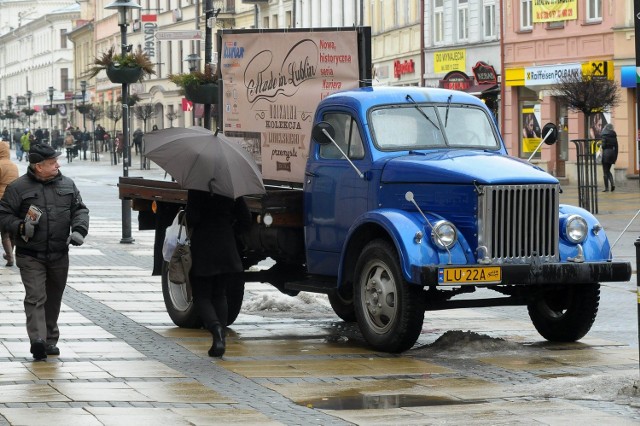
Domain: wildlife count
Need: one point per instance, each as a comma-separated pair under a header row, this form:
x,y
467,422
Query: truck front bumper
x,y
525,274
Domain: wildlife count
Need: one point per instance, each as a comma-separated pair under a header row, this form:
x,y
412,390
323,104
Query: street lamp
x,y
83,89
193,61
123,6
51,90
28,99
9,102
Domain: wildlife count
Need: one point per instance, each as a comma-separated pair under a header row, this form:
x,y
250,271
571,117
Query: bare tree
x,y
144,112
588,94
114,113
172,115
95,113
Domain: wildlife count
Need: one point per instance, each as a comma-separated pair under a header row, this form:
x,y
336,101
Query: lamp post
x,y
9,100
123,6
83,89
51,90
29,106
193,61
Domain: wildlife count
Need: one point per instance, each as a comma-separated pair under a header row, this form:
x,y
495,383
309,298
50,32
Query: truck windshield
x,y
414,127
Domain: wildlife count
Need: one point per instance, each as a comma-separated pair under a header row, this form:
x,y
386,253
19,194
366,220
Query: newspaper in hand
x,y
33,215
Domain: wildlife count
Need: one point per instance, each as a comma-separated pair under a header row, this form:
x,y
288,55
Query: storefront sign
x,y
485,73
401,68
554,10
450,60
149,28
550,74
456,80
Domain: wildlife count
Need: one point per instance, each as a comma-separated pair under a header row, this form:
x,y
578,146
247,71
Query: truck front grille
x,y
517,223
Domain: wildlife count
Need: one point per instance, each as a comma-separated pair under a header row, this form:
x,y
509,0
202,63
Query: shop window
x,y
489,19
526,23
463,20
594,10
438,21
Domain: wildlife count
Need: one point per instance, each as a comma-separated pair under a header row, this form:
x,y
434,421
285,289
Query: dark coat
x,y
62,213
609,146
213,221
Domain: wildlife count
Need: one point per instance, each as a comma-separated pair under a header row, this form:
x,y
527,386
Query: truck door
x,y
334,194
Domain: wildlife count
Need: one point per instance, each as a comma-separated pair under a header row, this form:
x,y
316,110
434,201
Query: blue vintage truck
x,y
411,203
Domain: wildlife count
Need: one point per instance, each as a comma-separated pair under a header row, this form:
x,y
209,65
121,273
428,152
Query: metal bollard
x,y
637,244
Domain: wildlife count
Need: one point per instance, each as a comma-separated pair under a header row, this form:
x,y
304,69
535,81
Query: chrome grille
x,y
517,223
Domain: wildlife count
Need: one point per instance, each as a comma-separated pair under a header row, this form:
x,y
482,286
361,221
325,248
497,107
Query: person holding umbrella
x,y
217,172
213,220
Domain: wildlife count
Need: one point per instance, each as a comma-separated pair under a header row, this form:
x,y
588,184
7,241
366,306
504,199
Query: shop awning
x,y
629,77
482,89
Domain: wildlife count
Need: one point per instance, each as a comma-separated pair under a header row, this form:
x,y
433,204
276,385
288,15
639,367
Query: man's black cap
x,y
40,152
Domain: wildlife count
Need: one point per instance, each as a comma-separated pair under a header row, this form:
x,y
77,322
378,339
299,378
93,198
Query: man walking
x,y
44,210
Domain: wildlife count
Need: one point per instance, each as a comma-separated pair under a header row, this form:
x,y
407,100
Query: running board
x,y
475,303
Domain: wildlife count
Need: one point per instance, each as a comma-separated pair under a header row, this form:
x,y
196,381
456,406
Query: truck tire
x,y
235,294
343,306
389,310
565,314
178,302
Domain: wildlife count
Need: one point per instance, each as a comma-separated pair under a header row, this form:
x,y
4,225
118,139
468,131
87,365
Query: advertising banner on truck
x,y
273,82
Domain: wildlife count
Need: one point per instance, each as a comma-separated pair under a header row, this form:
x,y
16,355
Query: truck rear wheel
x,y
235,294
389,310
342,305
565,314
179,302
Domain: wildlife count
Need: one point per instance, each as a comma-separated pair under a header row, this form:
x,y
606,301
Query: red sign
x,y
186,105
406,67
456,80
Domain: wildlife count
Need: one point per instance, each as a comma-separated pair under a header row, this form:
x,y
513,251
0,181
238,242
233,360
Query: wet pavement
x,y
123,361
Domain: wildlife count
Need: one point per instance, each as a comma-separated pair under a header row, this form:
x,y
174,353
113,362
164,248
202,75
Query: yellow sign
x,y
449,60
597,69
554,10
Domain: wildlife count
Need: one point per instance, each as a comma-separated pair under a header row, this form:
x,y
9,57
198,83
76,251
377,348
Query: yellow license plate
x,y
483,274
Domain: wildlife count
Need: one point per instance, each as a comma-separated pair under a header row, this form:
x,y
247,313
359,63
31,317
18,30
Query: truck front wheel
x,y
389,310
179,302
565,314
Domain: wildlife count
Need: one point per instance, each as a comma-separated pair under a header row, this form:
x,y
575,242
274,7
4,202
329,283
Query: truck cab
x,y
410,199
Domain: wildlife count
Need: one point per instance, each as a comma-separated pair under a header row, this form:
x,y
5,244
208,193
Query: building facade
x,y
542,43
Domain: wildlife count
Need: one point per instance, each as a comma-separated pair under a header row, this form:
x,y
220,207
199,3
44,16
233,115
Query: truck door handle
x,y
310,174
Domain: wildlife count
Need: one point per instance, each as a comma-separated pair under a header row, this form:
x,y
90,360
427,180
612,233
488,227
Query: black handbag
x,y
180,263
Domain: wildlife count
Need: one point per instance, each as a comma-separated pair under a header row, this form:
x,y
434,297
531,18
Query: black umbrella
x,y
198,159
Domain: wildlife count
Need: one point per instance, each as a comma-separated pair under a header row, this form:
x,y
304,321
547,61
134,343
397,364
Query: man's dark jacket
x,y
62,213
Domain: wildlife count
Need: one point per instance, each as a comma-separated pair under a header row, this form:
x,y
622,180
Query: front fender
x,y
401,227
595,247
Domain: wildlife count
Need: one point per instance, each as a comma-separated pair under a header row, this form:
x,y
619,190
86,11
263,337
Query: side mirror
x,y
318,133
549,133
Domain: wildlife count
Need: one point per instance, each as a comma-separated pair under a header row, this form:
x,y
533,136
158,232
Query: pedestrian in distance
x,y
8,173
609,155
44,210
69,144
137,140
25,144
212,221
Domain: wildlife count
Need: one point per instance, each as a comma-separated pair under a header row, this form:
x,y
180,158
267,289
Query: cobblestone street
x,y
123,361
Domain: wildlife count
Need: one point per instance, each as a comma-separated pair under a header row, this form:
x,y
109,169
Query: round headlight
x,y
575,229
444,234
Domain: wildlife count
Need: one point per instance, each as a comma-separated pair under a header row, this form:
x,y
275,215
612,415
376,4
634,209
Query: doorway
x,y
562,145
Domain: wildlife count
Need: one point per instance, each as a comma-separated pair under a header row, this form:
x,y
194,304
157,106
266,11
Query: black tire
x,y
179,302
395,323
342,305
565,314
235,294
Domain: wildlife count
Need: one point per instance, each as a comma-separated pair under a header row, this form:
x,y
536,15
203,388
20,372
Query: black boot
x,y
218,347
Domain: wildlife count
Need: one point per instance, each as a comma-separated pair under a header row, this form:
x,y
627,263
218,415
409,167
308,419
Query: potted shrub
x,y
51,110
198,86
130,68
83,109
131,101
29,111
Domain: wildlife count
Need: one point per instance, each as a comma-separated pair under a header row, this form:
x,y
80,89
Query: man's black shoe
x,y
38,349
52,350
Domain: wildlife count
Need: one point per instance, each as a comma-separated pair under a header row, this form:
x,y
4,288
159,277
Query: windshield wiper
x,y
446,116
409,98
